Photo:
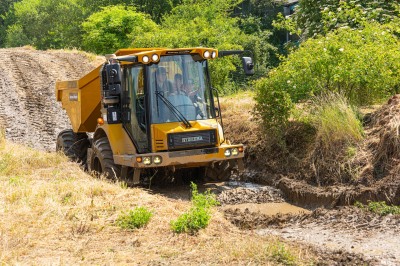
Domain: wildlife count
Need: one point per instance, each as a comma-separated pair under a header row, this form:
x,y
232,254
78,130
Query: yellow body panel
x,y
81,99
119,139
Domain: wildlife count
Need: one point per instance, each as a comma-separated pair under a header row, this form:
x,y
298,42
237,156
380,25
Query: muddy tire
x,y
73,145
221,171
102,161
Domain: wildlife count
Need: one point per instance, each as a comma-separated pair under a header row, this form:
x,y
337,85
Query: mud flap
x,y
240,164
219,171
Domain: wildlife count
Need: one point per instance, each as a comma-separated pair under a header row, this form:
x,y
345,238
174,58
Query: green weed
x,y
282,255
199,215
135,218
379,207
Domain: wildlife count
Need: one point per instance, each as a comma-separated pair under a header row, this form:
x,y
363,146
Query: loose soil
x,y
279,203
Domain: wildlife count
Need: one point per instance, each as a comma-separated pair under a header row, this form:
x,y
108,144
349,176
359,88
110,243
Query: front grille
x,y
159,143
192,139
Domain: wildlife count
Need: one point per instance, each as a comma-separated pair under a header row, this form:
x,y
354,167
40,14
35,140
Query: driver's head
x,y
178,80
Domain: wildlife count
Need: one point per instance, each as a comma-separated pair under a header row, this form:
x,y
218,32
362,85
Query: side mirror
x,y
248,65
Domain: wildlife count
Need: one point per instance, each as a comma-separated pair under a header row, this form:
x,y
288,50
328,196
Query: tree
x,y
201,23
155,8
5,6
45,24
114,27
314,17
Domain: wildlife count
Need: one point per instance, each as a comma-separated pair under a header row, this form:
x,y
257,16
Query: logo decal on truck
x,y
191,139
73,96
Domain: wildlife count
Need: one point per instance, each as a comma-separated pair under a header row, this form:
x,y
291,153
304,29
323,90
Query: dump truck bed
x,y
82,100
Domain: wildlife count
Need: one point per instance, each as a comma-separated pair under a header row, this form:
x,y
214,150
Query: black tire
x,y
221,171
102,161
73,145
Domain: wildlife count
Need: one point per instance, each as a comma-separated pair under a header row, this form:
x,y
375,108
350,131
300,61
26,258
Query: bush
x,y
363,65
113,28
198,217
135,218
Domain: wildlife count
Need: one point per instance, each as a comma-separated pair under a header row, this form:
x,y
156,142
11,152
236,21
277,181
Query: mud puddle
x,y
268,209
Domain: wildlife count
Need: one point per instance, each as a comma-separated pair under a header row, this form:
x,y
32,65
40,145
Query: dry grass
x,y
51,212
239,122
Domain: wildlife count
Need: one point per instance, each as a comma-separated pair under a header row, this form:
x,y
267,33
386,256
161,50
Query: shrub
x,y
198,217
135,218
363,65
113,28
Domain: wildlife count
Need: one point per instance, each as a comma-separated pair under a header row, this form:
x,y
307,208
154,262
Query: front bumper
x,y
183,158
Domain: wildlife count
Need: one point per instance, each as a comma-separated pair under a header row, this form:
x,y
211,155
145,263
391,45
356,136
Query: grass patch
x,y
134,219
335,120
199,215
379,207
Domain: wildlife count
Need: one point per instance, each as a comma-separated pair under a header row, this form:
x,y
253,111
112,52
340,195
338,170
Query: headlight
x,y
154,57
145,59
206,54
213,54
157,159
227,152
147,160
235,151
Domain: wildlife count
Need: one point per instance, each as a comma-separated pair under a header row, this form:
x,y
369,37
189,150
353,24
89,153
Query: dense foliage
x,y
113,28
45,24
361,64
106,25
313,17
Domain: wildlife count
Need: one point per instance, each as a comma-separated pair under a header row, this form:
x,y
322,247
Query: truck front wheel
x,y
102,161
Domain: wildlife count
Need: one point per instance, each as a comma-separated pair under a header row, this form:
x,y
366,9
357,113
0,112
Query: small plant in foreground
x,y
282,255
379,207
135,218
198,216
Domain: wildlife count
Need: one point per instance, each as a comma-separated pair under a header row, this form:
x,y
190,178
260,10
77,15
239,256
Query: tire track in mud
x,y
28,107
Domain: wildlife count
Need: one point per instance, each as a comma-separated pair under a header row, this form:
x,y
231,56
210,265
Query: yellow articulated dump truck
x,y
149,110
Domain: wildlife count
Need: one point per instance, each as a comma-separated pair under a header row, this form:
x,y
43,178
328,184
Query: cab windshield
x,y
180,90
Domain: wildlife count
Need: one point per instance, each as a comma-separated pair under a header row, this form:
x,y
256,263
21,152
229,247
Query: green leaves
x,y
198,216
134,219
363,65
114,28
314,17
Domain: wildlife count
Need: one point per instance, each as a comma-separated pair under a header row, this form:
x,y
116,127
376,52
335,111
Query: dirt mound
x,y
28,108
379,157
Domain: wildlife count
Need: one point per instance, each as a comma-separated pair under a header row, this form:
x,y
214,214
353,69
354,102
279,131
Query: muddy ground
x,y
269,204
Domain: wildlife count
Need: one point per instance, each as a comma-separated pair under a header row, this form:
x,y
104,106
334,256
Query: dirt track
x,y
28,108
346,236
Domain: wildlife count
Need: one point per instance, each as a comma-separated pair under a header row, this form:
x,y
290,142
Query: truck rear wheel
x,y
73,145
102,161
